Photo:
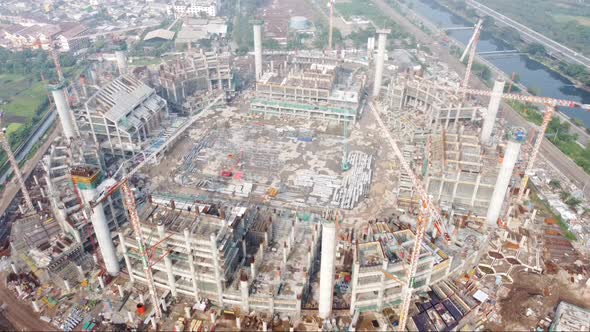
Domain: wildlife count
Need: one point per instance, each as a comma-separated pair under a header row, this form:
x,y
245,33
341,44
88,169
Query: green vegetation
x,y
562,20
558,133
535,49
241,29
570,32
527,111
22,93
576,71
369,10
545,210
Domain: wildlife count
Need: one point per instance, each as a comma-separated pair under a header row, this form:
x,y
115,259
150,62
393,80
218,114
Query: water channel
x,y
532,74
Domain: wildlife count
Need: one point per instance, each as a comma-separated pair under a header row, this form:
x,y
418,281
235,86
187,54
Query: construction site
x,y
337,192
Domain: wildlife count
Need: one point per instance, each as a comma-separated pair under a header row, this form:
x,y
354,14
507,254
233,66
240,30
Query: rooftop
x,y
118,98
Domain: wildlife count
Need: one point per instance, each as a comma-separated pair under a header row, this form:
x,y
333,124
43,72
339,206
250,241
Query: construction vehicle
x,y
15,168
550,105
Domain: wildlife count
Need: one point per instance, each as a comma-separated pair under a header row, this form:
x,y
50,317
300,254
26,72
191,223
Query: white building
x,y
122,115
193,8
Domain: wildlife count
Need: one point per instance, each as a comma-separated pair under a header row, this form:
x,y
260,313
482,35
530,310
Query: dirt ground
x,y
539,295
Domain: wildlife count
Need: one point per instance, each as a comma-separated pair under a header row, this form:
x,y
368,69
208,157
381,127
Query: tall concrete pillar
x,y
257,24
87,180
191,263
121,62
515,138
245,293
327,269
380,61
126,257
216,268
493,106
167,261
66,117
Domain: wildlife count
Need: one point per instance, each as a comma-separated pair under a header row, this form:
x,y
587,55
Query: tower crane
x,y
471,49
17,173
129,198
331,24
427,212
550,105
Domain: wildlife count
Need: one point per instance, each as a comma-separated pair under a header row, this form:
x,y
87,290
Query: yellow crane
x,y
549,103
15,168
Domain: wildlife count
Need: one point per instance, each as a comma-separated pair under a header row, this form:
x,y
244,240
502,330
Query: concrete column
x,y
121,62
101,282
381,292
13,267
503,180
253,268
258,48
380,61
353,282
327,267
238,323
264,326
285,254
298,308
187,312
130,316
67,285
35,306
141,299
191,263
493,106
126,257
216,269
66,118
103,233
271,306
167,261
121,292
245,292
154,324
19,290
213,317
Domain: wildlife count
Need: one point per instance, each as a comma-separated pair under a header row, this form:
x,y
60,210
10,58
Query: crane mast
x,y
135,224
471,47
129,198
549,110
550,104
427,212
17,173
331,24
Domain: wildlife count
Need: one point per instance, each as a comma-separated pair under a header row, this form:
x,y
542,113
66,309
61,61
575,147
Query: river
x,y
532,74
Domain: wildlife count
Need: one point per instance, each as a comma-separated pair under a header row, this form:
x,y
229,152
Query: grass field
x,y
24,96
360,8
583,20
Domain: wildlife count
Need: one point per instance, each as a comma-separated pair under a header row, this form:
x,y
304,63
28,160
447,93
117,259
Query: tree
x,y
555,184
573,202
536,49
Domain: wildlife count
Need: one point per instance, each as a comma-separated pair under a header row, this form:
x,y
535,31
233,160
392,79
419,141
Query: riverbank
x,y
564,131
520,45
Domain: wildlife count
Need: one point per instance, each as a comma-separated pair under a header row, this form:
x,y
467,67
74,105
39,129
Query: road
x,y
548,151
116,31
559,50
12,187
18,313
583,136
